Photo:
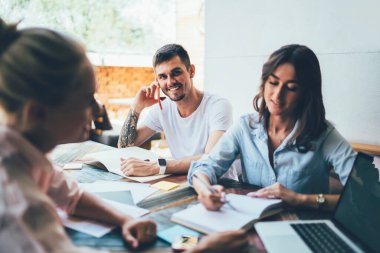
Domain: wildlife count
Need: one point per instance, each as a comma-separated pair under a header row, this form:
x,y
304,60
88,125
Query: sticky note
x,y
164,185
72,166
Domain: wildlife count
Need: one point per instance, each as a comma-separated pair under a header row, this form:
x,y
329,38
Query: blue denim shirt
x,y
306,173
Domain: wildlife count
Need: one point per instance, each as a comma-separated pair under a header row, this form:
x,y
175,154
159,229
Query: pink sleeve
x,y
64,190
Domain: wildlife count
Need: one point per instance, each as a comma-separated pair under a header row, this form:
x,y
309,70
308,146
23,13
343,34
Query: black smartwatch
x,y
162,165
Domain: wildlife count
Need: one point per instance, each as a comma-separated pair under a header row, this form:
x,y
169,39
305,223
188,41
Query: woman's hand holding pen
x,y
211,196
212,200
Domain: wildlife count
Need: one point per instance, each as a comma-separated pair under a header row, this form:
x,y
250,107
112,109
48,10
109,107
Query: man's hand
x,y
229,241
145,97
278,191
137,167
137,232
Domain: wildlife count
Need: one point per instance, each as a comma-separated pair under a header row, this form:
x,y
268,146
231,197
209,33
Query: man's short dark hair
x,y
169,51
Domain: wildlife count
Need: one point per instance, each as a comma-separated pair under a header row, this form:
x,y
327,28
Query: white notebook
x,y
248,210
110,160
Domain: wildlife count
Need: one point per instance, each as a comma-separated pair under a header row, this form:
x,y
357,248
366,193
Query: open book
x,y
248,210
110,160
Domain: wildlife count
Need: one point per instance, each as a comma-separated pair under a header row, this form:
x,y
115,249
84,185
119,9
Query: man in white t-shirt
x,y
193,121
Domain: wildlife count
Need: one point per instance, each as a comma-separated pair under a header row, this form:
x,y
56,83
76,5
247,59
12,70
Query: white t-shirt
x,y
188,136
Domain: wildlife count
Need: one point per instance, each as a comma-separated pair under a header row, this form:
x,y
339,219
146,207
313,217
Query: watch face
x,y
320,199
161,162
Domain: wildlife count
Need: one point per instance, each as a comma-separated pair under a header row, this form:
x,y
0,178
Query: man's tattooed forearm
x,y
128,132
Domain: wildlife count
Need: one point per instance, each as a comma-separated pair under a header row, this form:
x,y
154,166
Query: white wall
x,y
344,34
191,35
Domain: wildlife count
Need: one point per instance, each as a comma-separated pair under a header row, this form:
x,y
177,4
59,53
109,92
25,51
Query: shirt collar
x,y
260,132
292,133
257,127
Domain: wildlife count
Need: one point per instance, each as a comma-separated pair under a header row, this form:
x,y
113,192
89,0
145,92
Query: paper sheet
x,y
124,197
72,166
376,162
90,227
133,211
95,228
90,174
138,191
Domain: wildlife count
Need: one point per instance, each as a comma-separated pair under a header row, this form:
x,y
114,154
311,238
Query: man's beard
x,y
176,98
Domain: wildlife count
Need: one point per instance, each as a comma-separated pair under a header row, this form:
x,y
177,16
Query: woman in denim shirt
x,y
287,146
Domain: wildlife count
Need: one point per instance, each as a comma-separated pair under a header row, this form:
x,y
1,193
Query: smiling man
x,y
192,120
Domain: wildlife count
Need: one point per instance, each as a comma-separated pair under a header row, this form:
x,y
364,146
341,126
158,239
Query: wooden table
x,y
163,204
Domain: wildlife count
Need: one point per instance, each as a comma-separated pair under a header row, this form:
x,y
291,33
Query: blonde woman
x,y
47,90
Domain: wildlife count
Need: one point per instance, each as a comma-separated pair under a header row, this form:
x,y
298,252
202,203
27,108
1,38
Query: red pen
x,y
159,97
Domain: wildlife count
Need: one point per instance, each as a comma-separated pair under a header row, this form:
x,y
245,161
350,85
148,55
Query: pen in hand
x,y
214,191
159,98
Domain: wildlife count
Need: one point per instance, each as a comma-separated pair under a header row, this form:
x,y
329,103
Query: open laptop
x,y
355,226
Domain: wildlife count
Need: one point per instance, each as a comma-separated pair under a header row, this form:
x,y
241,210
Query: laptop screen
x,y
358,210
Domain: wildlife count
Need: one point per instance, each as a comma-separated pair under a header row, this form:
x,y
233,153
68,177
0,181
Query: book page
x,y
199,218
111,158
247,209
253,207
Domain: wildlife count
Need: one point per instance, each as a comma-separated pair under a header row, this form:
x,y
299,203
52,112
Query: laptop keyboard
x,y
321,238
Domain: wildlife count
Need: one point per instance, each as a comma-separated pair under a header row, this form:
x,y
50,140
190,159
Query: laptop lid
x,y
358,210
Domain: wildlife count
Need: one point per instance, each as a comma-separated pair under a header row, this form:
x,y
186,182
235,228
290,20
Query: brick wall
x,y
120,82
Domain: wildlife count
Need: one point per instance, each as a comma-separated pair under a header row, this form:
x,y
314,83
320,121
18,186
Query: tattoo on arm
x,y
128,132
